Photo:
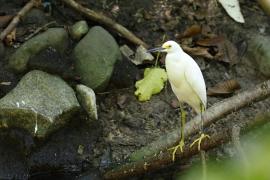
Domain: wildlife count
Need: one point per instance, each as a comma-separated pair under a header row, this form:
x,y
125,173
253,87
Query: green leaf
x,y
152,83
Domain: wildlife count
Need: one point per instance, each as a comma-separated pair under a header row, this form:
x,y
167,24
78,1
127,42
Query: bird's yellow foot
x,y
199,140
175,148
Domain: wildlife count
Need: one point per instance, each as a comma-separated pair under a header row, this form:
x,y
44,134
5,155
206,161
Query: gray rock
x,y
138,57
127,52
87,99
78,30
53,37
95,56
142,55
40,103
258,52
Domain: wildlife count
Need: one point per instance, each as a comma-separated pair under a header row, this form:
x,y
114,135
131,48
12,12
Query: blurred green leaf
x,y
152,83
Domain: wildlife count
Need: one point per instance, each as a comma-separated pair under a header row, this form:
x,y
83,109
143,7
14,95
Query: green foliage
x,y
255,166
152,83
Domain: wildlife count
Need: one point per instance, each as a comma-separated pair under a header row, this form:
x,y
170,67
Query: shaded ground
x,y
125,127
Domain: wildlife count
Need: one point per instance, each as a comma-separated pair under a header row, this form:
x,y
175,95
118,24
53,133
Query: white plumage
x,y
185,77
187,83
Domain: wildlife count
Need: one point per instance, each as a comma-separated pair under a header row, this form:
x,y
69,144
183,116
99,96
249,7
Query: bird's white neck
x,y
177,49
177,53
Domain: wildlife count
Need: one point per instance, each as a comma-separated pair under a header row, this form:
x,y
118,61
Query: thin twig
x,y
158,54
18,17
101,18
42,28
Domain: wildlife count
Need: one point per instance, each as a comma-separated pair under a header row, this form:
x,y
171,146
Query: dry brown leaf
x,y
4,20
199,51
224,88
215,41
230,53
191,31
10,38
222,49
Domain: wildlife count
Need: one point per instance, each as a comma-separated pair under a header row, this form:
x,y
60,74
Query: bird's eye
x,y
169,46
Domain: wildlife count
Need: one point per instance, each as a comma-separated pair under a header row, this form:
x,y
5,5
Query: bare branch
x,y
18,17
101,18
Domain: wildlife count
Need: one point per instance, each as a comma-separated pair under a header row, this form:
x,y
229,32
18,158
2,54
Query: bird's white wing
x,y
195,79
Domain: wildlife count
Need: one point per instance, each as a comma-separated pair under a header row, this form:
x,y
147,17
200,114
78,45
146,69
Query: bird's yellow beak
x,y
159,49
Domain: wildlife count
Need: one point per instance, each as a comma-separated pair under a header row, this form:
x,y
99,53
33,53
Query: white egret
x,y
187,83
